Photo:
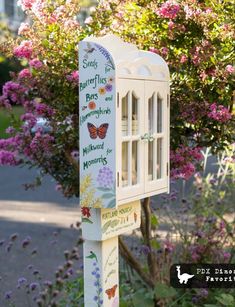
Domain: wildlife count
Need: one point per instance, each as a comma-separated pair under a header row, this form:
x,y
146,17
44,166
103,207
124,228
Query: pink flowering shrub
x,y
219,113
192,37
47,89
195,39
24,50
168,9
184,160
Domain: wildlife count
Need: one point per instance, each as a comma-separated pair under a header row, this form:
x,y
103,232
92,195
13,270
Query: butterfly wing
x,y
102,130
111,292
92,130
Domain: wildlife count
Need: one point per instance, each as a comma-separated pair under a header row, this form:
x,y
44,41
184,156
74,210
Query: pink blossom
x,y
183,160
25,73
24,50
73,77
58,187
171,25
43,110
230,69
226,256
24,28
183,59
154,50
164,51
26,4
88,20
30,119
219,113
8,158
38,8
71,24
36,63
169,9
13,92
188,11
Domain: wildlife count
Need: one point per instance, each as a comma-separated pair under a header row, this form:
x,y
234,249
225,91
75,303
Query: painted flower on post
x,y
105,177
86,211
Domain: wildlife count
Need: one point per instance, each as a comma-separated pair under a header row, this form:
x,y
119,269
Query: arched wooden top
x,y
131,62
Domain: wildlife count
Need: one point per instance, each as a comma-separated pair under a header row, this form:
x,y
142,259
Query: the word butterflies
x,y
111,292
97,131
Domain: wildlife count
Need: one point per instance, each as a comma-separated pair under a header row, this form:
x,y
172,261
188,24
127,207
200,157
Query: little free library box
x,y
124,123
124,152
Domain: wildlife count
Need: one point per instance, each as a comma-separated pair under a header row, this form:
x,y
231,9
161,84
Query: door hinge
x,y
168,100
118,179
117,100
167,169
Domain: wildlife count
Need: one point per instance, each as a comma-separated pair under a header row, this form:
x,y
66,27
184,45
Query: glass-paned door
x,y
156,149
130,162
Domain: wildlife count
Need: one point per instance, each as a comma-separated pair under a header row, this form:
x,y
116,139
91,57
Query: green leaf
x,y
107,196
154,220
139,299
103,189
155,244
225,299
112,203
86,220
210,305
164,291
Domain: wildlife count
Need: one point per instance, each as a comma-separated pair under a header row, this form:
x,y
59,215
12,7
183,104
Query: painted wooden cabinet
x,y
124,123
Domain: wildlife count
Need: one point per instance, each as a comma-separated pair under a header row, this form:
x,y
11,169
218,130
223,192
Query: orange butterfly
x,y
97,131
111,292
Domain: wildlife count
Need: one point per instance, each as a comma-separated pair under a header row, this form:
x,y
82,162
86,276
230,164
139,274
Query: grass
x,y
6,120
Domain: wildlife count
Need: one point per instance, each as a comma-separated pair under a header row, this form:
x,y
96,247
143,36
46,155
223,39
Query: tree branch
x,y
131,260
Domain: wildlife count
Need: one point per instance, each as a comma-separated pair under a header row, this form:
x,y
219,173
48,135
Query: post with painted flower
x,y
124,151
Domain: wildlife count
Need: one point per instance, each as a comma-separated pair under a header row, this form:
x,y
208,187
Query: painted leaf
x,y
111,204
86,220
108,195
114,223
106,226
103,189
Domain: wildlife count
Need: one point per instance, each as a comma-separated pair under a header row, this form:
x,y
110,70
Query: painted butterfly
x,y
97,131
111,292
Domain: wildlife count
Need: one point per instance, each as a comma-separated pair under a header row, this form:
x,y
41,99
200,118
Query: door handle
x,y
147,137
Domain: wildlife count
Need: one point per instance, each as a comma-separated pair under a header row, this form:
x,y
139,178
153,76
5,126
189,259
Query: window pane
x,y
150,161
124,164
134,114
159,158
134,162
159,114
151,114
125,115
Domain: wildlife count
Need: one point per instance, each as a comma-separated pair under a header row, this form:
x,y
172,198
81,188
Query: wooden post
x,y
101,228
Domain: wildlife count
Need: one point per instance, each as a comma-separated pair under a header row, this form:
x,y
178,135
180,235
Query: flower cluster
x,y
169,9
24,50
183,161
36,63
13,92
105,177
219,113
